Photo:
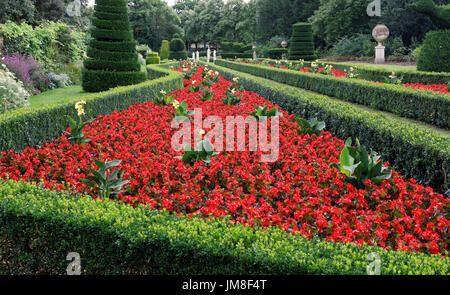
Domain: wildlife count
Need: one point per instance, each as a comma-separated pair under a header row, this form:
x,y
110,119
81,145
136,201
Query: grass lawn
x,y
60,95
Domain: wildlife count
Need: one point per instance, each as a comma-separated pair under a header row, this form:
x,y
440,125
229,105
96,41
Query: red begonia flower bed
x,y
298,193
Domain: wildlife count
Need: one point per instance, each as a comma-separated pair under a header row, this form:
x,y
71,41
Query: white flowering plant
x,y
12,92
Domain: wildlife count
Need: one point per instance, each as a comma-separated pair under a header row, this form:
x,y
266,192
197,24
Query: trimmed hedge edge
x,y
40,227
432,108
415,151
33,126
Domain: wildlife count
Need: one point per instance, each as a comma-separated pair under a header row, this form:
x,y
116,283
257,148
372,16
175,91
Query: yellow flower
x,y
163,92
201,132
79,106
176,104
236,79
193,82
233,91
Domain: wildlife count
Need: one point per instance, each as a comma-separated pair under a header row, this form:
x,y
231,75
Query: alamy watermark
x,y
374,8
74,267
74,9
374,266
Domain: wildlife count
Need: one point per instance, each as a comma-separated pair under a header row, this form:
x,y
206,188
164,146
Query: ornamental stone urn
x,y
380,33
254,51
284,44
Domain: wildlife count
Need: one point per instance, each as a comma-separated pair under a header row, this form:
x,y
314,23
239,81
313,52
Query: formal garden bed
x,y
234,187
113,147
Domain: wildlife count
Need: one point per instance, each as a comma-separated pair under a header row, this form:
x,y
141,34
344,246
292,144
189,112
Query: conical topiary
x,y
112,58
302,42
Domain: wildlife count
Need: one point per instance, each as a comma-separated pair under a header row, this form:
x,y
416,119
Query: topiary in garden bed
x,y
165,51
302,45
112,58
434,54
153,58
177,49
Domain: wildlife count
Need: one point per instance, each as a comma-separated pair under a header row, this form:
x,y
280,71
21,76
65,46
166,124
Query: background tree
x,y
153,21
17,11
35,11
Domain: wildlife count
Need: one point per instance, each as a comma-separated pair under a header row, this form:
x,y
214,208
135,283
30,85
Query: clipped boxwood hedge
x,y
433,108
39,228
31,127
371,73
414,150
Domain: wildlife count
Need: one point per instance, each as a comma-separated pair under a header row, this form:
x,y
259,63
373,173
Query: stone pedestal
x,y
214,56
208,55
379,54
198,55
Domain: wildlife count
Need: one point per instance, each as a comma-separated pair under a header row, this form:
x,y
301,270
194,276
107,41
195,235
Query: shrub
x,y
58,81
431,108
236,50
37,241
302,45
354,46
28,71
32,127
371,73
165,50
113,60
153,58
12,93
177,49
277,53
51,44
434,54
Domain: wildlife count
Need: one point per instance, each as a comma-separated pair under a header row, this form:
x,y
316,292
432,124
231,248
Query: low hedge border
x,y
433,108
31,127
40,227
367,72
414,150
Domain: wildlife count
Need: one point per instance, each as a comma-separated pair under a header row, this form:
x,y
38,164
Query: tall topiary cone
x,y
112,57
302,42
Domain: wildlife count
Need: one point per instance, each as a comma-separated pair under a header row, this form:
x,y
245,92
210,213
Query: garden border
x,y
394,138
31,127
38,228
432,108
368,72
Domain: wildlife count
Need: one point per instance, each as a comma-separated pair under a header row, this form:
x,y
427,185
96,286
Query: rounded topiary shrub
x,y
112,57
434,55
153,58
302,42
165,51
177,49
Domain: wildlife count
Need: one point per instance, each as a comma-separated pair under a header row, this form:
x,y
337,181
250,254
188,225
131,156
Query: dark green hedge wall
x,y
37,241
